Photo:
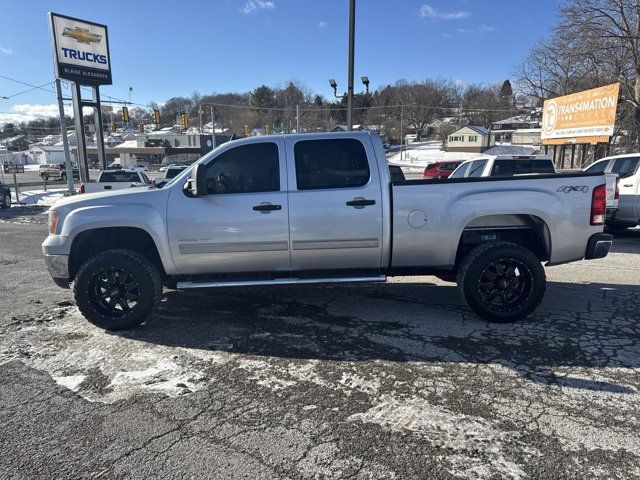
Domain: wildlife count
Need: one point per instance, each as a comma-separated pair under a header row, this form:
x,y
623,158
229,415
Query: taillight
x,y
599,205
81,188
616,196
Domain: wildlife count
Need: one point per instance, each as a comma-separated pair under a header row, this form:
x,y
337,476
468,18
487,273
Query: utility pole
x,y
65,139
352,28
213,130
297,118
401,121
200,117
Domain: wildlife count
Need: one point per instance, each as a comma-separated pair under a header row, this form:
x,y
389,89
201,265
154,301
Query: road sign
x,y
13,168
80,50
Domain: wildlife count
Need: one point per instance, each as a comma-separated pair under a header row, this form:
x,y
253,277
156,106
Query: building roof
x,y
510,120
475,128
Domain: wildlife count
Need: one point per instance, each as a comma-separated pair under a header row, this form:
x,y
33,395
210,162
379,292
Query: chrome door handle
x,y
628,185
360,202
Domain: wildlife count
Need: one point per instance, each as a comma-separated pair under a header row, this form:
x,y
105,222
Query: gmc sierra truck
x,y
320,208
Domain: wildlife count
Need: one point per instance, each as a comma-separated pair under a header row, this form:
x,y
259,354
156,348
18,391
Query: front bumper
x,y
58,266
598,246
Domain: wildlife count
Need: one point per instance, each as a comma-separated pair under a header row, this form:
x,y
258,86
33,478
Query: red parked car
x,y
440,169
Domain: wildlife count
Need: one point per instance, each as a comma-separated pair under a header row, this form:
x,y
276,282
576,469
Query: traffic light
x,y
125,114
141,127
245,130
113,127
184,120
266,129
156,117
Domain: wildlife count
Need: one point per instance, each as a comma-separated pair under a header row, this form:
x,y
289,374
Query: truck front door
x,y
242,224
335,204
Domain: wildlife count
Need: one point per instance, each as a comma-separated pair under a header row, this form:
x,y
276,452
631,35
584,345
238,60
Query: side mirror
x,y
199,180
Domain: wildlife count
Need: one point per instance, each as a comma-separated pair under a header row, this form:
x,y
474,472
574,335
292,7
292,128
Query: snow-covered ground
x,y
40,197
419,155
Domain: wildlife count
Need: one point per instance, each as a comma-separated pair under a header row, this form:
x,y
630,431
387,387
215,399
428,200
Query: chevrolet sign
x,y
81,50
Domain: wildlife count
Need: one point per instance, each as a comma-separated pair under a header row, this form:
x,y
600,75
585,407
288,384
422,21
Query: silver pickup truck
x,y
320,208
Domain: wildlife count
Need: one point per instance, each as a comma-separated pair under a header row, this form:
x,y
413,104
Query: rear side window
x,y
598,167
625,167
449,166
340,163
503,168
119,177
542,166
476,168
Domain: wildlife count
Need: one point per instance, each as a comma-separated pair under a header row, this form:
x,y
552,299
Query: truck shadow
x,y
578,325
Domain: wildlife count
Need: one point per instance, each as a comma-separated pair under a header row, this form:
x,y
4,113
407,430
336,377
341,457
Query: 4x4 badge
x,y
573,188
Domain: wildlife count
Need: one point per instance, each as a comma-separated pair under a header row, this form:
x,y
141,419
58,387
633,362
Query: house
x,y
343,128
44,154
470,138
503,129
17,143
527,136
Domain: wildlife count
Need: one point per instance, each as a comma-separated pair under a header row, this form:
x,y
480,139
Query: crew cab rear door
x,y
335,204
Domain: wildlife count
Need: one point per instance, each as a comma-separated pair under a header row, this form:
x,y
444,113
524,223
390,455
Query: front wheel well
x,y
90,242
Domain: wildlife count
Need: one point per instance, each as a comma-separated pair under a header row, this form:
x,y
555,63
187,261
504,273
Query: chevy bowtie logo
x,y
81,35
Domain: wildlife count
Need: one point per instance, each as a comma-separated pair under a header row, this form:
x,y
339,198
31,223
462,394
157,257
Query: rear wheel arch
x,y
529,231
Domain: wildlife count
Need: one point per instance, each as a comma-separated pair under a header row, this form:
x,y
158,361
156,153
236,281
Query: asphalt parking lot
x,y
387,381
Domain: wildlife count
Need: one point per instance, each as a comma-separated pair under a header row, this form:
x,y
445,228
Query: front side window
x,y
245,169
460,171
625,167
340,163
476,168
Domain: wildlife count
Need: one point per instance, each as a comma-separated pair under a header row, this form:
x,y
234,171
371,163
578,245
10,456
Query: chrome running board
x,y
281,281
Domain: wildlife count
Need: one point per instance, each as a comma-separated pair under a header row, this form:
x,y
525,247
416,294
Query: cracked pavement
x,y
369,381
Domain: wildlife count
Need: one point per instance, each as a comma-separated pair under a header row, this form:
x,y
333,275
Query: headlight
x,y
53,222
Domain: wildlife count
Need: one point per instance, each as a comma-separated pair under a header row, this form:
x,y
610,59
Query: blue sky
x,y
164,49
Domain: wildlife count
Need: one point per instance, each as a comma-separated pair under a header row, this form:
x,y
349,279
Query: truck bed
x,y
428,215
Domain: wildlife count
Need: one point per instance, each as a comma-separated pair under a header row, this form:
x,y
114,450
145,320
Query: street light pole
x,y
352,28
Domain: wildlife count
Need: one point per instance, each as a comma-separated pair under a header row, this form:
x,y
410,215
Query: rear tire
x,y
117,289
501,282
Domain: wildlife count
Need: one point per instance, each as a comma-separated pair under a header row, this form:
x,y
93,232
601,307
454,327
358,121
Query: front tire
x,y
6,201
117,289
501,282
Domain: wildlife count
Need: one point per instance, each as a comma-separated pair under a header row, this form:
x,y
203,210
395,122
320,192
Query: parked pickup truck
x,y
320,208
116,179
57,171
626,168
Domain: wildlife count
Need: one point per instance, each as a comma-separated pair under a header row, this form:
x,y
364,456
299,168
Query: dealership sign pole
x,y
81,56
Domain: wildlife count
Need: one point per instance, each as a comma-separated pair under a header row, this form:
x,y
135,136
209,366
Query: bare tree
x,y
425,101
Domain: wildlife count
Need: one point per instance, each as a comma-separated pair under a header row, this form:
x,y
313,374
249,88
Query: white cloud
x,y
479,29
5,51
253,6
322,24
32,111
427,11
